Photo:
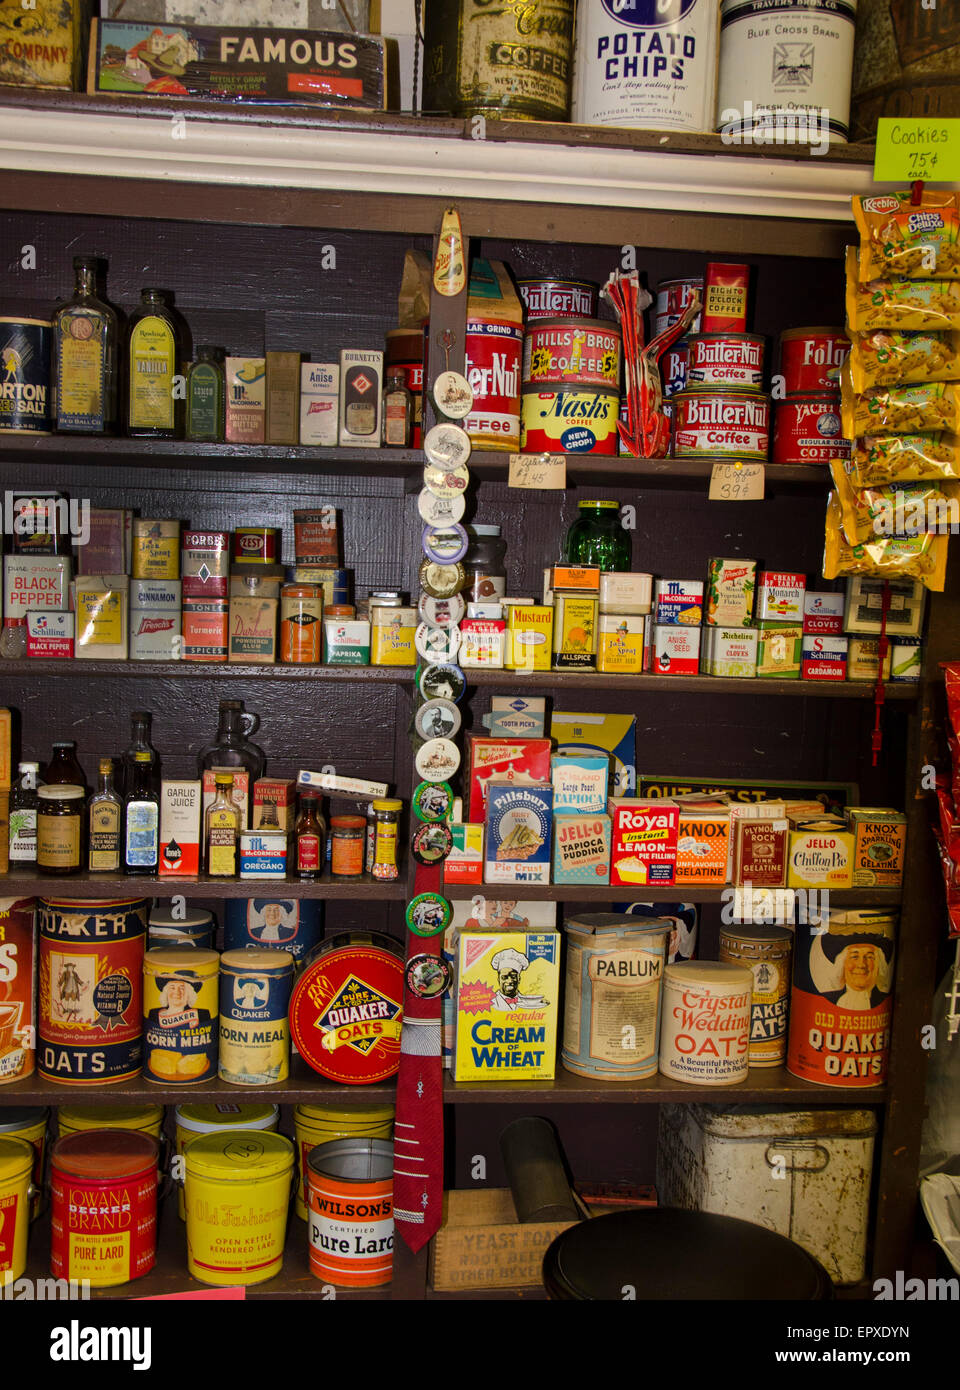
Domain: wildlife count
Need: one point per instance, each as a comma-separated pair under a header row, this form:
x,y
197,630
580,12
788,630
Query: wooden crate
x,y
482,1244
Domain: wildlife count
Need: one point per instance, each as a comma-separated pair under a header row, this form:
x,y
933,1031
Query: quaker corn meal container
x,y
140,1119
731,360
647,63
584,353
254,1031
716,423
559,299
103,1199
347,1008
570,419
614,976
842,998
324,1124
25,398
705,1033
30,1124
807,429
286,924
766,952
192,1120
180,998
18,1015
673,296
236,1194
350,1219
16,1198
90,988
195,927
811,358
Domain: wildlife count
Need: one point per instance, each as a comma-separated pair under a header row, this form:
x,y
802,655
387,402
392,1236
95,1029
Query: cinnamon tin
x,y
708,424
585,352
766,952
346,1011
811,358
807,429
18,954
733,360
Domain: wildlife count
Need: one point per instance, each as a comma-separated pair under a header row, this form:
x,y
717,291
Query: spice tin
x,y
254,1032
730,592
575,631
28,1123
721,423
614,975
347,1008
621,642
205,563
766,952
139,1119
811,358
156,548
350,1220
559,299
301,623
90,990
440,511
841,1001
678,601
705,1035
584,353
192,1120
807,429
25,397
569,419
326,1124
180,1014
16,1170
731,360
18,1016
103,1199
256,545
444,544
673,296
236,1194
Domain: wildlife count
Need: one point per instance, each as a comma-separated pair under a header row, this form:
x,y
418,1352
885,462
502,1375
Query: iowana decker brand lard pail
x,y
646,63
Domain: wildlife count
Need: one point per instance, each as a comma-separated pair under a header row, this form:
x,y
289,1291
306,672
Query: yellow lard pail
x,y
216,1119
30,1123
323,1124
237,1192
72,1119
16,1167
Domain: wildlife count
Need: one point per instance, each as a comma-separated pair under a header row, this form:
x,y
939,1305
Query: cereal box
x,y
518,829
521,761
702,846
644,849
879,843
508,990
579,782
581,848
731,585
678,601
614,734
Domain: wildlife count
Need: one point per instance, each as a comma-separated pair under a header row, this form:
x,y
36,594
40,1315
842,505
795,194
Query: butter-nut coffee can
x,y
705,1030
766,952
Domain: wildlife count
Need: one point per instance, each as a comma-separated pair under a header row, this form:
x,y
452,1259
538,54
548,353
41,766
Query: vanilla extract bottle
x,y
155,407
85,348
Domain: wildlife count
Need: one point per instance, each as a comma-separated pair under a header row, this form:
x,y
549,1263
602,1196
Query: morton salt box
x,y
508,990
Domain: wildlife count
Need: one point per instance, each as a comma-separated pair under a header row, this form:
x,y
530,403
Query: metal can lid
x,y
428,914
437,643
60,792
442,612
750,931
272,962
109,1116
206,1119
348,823
16,1158
182,961
709,972
261,1154
192,917
106,1153
22,1117
441,580
453,395
440,511
387,804
446,479
444,544
441,680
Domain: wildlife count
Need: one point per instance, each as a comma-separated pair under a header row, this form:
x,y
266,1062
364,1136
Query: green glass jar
x,y
597,537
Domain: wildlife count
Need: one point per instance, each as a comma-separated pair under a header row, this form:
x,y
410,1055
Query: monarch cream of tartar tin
x,y
765,951
180,1014
255,990
705,1032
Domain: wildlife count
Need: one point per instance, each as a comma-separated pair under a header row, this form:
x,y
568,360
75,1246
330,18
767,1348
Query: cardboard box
x,y
754,791
100,602
283,398
863,606
644,848
613,734
240,793
863,659
678,601
581,848
823,658
246,399
580,782
508,994
107,551
516,716
50,634
820,857
625,592
361,397
760,852
464,863
319,403
43,43
879,846
345,16
522,761
35,582
517,833
482,1245
274,804
180,828
702,841
906,659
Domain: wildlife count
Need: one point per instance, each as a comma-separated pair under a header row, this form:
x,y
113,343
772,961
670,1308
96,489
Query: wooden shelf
x,y
113,887
686,892
205,670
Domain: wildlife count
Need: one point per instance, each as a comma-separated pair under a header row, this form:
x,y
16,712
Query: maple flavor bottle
x,y
221,829
85,347
154,404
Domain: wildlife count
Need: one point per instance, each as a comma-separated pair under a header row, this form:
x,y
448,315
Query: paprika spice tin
x,y
732,360
347,1008
811,358
236,1194
569,419
559,299
254,1032
583,353
710,424
705,1033
350,1217
16,1169
90,987
807,429
180,1014
18,1018
765,951
103,1196
28,1123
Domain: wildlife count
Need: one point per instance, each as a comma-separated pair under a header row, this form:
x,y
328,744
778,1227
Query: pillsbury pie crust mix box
x,y
518,833
508,992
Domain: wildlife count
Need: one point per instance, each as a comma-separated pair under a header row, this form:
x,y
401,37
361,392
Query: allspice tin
x,y
180,1014
254,1031
766,952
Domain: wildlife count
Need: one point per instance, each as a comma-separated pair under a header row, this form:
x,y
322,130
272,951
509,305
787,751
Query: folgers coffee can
x,y
301,623
254,1032
732,360
16,1173
25,399
324,1124
236,1195
192,1120
611,1022
90,988
285,924
807,429
350,1216
586,353
705,1033
28,1123
673,296
765,951
570,419
558,299
103,1200
18,1015
180,999
708,424
347,1008
842,998
811,358
256,545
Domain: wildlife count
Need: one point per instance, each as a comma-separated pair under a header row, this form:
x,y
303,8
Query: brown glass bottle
x,y
310,835
232,746
63,768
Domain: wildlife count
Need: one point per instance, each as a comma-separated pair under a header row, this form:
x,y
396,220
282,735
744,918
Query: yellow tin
x,y
575,631
255,990
29,1123
16,1166
217,1119
620,647
180,1007
528,637
156,548
71,1119
820,856
324,1124
391,636
236,1193
42,43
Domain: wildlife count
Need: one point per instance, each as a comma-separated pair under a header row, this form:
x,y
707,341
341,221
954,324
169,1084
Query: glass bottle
x,y
485,565
597,537
85,340
310,833
141,815
23,815
13,639
232,746
140,729
205,395
63,768
153,360
397,410
221,829
104,823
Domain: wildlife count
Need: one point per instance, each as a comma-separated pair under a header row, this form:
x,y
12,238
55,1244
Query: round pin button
x,y
437,719
453,395
428,977
444,544
441,680
437,760
442,612
440,511
433,801
437,643
432,843
441,581
447,445
447,479
428,914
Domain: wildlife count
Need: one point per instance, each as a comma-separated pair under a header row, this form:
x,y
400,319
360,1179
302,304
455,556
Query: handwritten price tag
x,y
547,471
736,482
917,147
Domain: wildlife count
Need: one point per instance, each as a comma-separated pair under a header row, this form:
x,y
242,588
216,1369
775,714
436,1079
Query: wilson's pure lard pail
x,y
646,63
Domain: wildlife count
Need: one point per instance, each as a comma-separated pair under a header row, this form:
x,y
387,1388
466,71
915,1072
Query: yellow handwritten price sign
x,y
736,482
546,471
917,147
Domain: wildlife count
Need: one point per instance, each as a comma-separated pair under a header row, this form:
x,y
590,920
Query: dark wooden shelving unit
x,y
114,887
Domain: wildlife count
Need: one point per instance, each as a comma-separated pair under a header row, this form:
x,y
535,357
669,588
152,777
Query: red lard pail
x,y
103,1197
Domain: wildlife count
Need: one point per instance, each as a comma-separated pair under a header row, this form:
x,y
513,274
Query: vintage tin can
x,y
192,1120
709,424
841,1002
287,924
155,552
558,299
140,1119
731,587
324,1124
90,990
350,1219
731,360
811,358
494,348
575,631
254,1032
180,998
508,61
347,1008
569,419
28,1123
705,1034
807,429
236,1194
611,1021
256,545
25,400
205,564
301,623
673,367
16,1173
646,63
18,1014
103,1198
765,951
195,927
673,296
586,353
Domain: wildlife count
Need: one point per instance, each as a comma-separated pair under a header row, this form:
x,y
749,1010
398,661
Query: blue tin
x,y
286,924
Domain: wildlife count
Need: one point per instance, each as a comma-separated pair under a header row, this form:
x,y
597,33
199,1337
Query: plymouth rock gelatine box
x,y
508,992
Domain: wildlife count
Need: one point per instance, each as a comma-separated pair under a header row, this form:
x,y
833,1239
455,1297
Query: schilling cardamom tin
x,y
254,1032
766,953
